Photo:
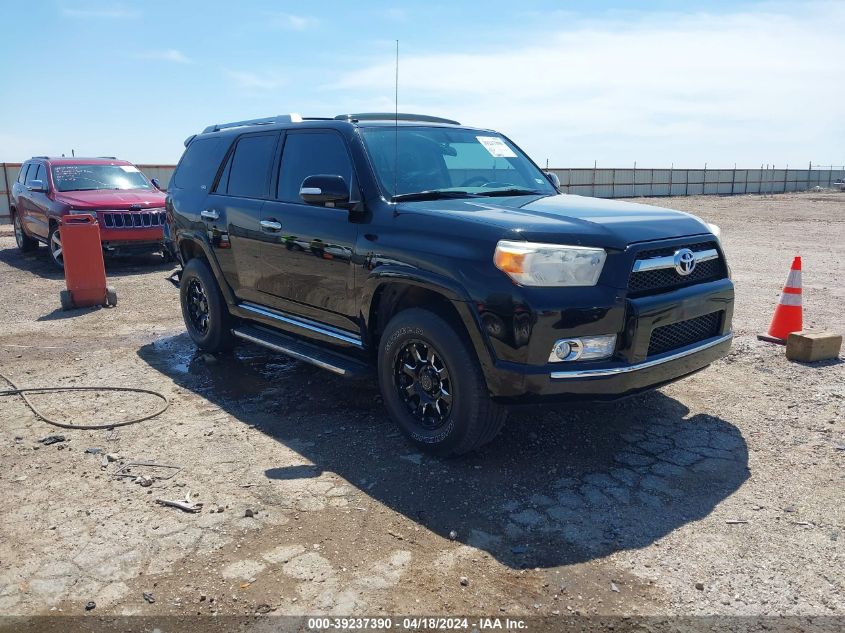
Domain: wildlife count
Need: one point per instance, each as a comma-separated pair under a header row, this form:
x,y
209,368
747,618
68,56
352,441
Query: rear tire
x,y
204,309
25,243
433,386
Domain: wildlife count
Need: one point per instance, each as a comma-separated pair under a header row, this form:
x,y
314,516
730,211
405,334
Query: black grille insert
x,y
128,219
676,335
662,280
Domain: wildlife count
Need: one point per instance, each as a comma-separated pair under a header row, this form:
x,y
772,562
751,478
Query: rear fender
x,y
193,241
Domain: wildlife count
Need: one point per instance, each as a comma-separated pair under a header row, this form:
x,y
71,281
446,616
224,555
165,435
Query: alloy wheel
x,y
56,247
422,380
18,231
198,306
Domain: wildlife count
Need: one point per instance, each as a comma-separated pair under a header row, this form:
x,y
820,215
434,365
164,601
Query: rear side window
x,y
248,174
311,154
199,163
22,173
41,174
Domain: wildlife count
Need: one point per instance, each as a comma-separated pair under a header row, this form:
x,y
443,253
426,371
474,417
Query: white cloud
x,y
169,55
750,86
113,12
252,80
292,22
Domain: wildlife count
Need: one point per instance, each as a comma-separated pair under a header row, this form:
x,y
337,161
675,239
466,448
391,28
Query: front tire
x,y
204,310
433,386
54,244
24,242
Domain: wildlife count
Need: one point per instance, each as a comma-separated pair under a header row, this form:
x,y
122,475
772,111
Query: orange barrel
x,y
85,272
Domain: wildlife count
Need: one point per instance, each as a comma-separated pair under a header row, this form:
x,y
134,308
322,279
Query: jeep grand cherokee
x,y
128,207
443,258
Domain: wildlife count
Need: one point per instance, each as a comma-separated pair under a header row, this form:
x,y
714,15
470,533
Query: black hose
x,y
82,427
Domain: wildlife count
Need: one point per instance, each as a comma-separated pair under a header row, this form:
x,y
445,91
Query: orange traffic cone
x,y
788,313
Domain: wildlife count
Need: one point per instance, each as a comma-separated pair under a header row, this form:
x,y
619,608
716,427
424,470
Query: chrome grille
x,y
676,335
132,219
664,279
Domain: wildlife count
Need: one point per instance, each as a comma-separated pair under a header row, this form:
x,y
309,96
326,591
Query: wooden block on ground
x,y
812,346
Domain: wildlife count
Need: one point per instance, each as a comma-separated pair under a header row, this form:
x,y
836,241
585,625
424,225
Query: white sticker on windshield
x,y
496,147
129,168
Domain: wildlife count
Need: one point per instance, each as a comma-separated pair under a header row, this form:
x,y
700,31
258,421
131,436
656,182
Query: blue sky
x,y
572,82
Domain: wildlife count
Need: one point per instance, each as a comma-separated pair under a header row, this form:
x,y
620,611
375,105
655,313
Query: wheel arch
x,y
387,294
192,247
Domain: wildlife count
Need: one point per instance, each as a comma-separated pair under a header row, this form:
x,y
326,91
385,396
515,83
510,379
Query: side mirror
x,y
156,184
324,189
553,177
36,185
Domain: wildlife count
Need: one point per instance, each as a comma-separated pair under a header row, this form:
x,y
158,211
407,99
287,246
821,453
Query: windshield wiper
x,y
433,194
83,189
514,191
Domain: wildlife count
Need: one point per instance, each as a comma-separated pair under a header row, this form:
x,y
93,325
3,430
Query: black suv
x,y
442,257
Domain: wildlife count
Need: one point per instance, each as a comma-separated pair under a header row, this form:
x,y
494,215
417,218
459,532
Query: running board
x,y
336,363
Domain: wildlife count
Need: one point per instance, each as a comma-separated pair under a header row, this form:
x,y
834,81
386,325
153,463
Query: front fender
x,y
447,288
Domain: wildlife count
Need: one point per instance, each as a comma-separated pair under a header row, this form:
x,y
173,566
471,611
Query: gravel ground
x,y
718,495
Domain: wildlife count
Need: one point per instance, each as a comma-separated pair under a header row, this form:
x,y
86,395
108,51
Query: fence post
x,y
8,193
785,177
613,183
671,173
593,185
733,179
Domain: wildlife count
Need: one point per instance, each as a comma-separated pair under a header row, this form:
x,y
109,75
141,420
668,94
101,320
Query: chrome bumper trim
x,y
614,371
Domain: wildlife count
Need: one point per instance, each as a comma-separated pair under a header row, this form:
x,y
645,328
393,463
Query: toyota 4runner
x,y
444,259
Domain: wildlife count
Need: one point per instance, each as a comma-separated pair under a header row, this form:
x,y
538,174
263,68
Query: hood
x,y
112,198
569,219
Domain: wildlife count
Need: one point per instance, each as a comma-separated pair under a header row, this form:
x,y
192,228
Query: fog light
x,y
583,348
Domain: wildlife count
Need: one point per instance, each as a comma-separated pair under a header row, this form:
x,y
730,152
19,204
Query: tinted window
x,y
22,173
199,163
250,170
30,175
409,159
311,154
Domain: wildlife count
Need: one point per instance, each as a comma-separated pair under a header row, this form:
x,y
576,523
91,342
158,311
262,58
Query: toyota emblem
x,y
684,261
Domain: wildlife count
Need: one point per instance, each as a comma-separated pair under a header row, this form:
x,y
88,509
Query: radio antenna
x,y
396,124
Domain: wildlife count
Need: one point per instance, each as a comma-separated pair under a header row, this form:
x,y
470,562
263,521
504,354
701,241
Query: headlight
x,y
532,264
714,229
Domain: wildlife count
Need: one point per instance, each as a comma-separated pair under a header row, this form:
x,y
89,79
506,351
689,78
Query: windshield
x,y
450,161
91,177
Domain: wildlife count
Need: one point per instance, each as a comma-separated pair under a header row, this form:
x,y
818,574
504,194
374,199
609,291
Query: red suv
x,y
128,206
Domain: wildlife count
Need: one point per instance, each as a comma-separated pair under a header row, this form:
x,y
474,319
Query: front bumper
x,y
633,368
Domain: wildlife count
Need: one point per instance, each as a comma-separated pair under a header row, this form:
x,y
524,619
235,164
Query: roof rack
x,y
109,157
280,118
393,116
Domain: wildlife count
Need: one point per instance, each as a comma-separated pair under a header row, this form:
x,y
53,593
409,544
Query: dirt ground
x,y
723,494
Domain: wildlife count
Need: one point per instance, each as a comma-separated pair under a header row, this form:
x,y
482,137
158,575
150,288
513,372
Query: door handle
x,y
210,214
271,225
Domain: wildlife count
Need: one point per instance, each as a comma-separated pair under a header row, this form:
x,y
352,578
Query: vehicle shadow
x,y
38,263
559,486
